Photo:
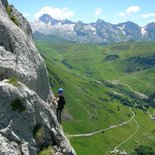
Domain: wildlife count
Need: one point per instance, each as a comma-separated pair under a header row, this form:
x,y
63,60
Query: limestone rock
x,y
17,126
19,57
27,118
4,2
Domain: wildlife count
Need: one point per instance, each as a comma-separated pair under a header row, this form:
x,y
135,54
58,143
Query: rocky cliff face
x,y
27,121
19,55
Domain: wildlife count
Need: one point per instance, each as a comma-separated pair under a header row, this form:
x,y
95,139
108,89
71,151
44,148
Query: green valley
x,y
101,84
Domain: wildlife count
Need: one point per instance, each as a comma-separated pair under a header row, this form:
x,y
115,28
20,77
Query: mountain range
x,y
99,32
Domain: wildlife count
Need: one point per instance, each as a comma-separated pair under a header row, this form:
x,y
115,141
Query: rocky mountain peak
x,y
150,28
100,21
66,21
130,25
79,24
151,25
47,19
99,32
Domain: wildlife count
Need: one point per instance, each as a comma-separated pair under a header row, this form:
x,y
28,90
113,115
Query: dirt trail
x,y
105,129
129,136
136,92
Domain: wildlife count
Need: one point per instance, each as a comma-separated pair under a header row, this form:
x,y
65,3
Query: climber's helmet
x,y
60,91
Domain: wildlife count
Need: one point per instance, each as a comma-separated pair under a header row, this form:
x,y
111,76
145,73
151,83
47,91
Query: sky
x,y
141,12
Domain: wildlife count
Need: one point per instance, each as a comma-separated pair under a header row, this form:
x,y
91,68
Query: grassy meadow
x,y
86,73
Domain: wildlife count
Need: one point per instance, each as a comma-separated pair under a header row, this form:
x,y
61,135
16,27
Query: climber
x,y
61,102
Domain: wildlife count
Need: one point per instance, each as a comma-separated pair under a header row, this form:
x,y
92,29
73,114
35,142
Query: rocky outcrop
x,y
22,110
27,121
19,57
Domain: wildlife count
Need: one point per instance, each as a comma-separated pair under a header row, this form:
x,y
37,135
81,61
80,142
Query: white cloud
x,y
56,13
148,15
97,11
132,9
121,14
129,11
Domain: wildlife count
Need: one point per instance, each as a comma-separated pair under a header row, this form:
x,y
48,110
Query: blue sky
x,y
141,12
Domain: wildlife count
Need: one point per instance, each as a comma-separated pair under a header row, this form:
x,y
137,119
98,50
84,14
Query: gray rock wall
x,y
25,62
25,101
18,122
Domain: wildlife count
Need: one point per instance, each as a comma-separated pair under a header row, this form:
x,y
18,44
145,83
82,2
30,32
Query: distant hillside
x,y
99,93
99,32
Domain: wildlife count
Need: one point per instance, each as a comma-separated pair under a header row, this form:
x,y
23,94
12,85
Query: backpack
x,y
61,101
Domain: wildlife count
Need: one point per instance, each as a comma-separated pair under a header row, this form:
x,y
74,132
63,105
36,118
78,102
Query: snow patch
x,y
143,31
122,28
64,26
124,32
90,28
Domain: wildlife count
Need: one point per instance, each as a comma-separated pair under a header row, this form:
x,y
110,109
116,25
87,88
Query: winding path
x,y
149,114
136,92
129,136
118,125
111,127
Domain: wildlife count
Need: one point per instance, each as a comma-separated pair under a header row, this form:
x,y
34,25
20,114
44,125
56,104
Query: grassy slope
x,y
92,58
84,111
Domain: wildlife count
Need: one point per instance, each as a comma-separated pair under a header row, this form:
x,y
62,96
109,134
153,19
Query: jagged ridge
x,y
99,32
